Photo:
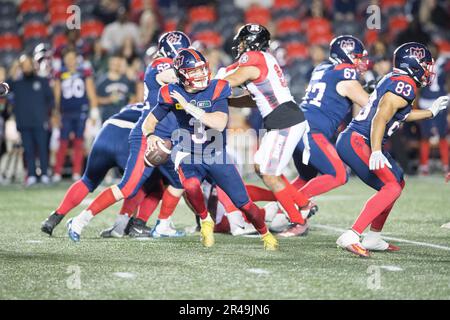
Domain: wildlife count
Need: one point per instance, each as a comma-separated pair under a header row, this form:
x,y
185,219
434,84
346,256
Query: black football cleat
x,y
138,229
126,232
51,222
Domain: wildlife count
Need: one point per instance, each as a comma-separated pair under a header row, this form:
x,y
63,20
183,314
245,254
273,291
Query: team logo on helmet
x,y
174,38
347,45
178,61
418,52
244,58
254,28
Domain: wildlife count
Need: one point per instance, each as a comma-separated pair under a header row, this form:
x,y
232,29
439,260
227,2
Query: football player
x,y
74,91
361,144
107,152
259,72
136,173
440,86
201,109
333,89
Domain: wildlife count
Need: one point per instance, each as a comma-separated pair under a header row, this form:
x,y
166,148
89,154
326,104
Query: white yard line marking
x,y
125,275
417,243
258,271
34,241
391,268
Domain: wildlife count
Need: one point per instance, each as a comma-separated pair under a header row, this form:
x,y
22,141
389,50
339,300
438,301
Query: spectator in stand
x,y
115,33
74,91
114,89
106,10
414,32
75,43
133,67
433,14
344,10
150,29
32,105
99,59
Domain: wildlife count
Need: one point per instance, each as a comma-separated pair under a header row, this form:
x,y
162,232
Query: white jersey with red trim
x,y
270,89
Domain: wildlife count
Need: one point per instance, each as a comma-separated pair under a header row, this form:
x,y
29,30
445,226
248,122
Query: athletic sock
x,y
424,152
376,205
61,156
259,194
130,205
195,196
299,197
378,222
320,185
78,155
81,221
284,197
443,150
148,206
298,183
105,199
255,216
73,197
168,205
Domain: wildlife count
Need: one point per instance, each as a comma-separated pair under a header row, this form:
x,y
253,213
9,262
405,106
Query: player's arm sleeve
x,y
164,103
220,96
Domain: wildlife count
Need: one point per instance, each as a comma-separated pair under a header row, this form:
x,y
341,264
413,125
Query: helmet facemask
x,y
361,61
428,73
196,78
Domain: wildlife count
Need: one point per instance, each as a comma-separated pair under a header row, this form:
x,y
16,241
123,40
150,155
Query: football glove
x,y
439,104
378,161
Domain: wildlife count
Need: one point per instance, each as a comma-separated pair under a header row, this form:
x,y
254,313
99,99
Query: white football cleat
x,y
164,228
246,228
56,178
31,181
446,225
349,241
372,241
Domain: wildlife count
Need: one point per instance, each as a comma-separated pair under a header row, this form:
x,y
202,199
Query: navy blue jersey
x,y
74,97
212,99
131,112
323,106
152,86
400,85
166,127
437,87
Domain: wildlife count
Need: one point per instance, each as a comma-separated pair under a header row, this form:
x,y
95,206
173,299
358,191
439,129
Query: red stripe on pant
x,y
326,182
194,194
137,172
384,199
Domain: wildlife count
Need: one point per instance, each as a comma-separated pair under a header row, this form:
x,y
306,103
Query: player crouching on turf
x,y
207,109
361,144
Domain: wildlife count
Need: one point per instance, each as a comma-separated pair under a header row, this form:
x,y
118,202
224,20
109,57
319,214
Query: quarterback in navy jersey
x,y
332,90
136,173
361,144
201,109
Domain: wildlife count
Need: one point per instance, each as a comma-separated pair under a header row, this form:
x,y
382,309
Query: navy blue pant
x,y
73,123
35,141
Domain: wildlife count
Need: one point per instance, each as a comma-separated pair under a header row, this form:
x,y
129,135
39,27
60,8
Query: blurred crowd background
x,y
117,39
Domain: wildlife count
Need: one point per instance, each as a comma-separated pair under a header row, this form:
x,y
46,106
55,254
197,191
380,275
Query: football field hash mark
x,y
125,275
258,271
391,268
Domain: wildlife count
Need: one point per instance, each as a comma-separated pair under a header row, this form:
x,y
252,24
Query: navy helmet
x,y
349,49
192,69
415,60
171,42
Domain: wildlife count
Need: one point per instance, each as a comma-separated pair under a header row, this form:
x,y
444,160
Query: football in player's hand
x,y
159,155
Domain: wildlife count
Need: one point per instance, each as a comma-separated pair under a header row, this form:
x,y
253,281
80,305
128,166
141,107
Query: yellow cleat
x,y
207,233
270,242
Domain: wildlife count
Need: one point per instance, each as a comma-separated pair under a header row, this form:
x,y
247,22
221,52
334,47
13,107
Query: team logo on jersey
x,y
244,58
347,45
418,52
174,38
204,104
36,86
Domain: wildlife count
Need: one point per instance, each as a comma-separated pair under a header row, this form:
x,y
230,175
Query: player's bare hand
x,y
152,142
378,161
177,96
